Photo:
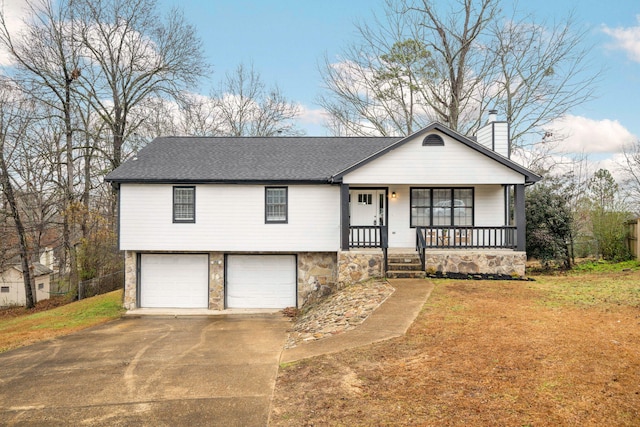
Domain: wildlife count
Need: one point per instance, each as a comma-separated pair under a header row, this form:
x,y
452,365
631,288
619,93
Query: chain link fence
x,y
101,285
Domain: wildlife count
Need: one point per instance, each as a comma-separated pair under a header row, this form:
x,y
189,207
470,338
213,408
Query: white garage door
x,y
174,281
261,281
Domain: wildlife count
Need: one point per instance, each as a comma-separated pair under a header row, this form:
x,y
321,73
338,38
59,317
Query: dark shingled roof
x,y
238,159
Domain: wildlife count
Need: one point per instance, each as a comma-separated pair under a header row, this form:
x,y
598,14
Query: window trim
x,y
286,205
451,190
173,191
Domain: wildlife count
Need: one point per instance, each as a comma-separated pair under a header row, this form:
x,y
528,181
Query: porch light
x,y
393,195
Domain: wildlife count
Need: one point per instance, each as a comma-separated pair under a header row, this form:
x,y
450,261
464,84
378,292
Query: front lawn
x,y
562,350
19,327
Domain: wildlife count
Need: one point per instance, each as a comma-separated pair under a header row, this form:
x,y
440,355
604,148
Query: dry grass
x,y
563,350
53,318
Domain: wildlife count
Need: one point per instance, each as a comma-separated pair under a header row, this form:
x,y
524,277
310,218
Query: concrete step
x,y
403,259
414,266
395,274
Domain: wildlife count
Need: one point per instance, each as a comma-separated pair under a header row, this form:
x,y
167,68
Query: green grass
x,y
594,284
605,266
24,330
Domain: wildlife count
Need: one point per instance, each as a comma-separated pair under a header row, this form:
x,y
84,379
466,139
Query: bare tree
x,y
541,73
131,55
459,64
13,128
47,62
245,107
378,86
451,63
630,166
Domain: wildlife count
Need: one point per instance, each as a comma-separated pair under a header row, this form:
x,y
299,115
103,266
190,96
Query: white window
x,y
4,289
184,204
276,205
40,286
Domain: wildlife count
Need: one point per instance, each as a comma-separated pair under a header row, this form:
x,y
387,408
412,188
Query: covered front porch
x,y
401,216
470,229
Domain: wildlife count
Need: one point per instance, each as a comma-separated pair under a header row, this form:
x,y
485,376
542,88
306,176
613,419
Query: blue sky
x,y
285,40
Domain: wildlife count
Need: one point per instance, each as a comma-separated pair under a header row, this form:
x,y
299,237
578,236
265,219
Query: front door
x,y
367,207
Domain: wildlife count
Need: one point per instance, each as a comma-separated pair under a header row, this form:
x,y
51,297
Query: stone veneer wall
x,y
317,274
216,281
355,266
130,284
321,273
490,262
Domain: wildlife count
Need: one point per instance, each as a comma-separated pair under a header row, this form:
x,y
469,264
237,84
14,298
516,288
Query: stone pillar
x,y
216,281
130,280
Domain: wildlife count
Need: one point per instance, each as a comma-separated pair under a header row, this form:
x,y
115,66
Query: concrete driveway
x,y
160,371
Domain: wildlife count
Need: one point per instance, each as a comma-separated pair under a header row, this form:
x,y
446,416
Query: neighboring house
x,y
12,284
269,222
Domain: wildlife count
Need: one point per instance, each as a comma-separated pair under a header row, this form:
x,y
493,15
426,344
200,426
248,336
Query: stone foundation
x,y
469,262
317,275
322,273
357,266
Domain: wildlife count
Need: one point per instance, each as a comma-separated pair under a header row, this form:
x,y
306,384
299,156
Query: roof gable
x,y
530,177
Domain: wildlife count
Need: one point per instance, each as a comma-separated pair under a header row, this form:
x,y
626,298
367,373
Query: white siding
x,y
489,205
229,218
495,136
488,211
451,164
485,136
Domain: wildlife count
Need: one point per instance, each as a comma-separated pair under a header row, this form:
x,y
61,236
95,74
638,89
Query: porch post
x,y
521,222
344,217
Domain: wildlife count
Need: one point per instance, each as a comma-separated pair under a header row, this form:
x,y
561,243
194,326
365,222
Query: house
x,y
12,284
250,222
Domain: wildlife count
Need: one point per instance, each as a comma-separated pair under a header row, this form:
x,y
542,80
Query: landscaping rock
x,y
339,312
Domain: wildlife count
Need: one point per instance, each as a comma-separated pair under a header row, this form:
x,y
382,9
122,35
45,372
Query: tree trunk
x,y
68,218
7,187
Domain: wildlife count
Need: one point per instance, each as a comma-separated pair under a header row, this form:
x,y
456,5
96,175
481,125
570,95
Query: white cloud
x,y
15,11
582,135
627,39
312,116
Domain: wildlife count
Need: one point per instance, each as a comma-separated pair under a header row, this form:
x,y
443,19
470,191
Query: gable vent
x,y
433,139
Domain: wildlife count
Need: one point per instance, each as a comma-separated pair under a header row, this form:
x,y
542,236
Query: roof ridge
x,y
280,137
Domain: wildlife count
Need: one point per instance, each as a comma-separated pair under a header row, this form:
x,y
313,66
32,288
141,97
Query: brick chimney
x,y
495,135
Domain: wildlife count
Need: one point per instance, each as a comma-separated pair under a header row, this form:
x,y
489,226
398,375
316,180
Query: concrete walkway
x,y
390,320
